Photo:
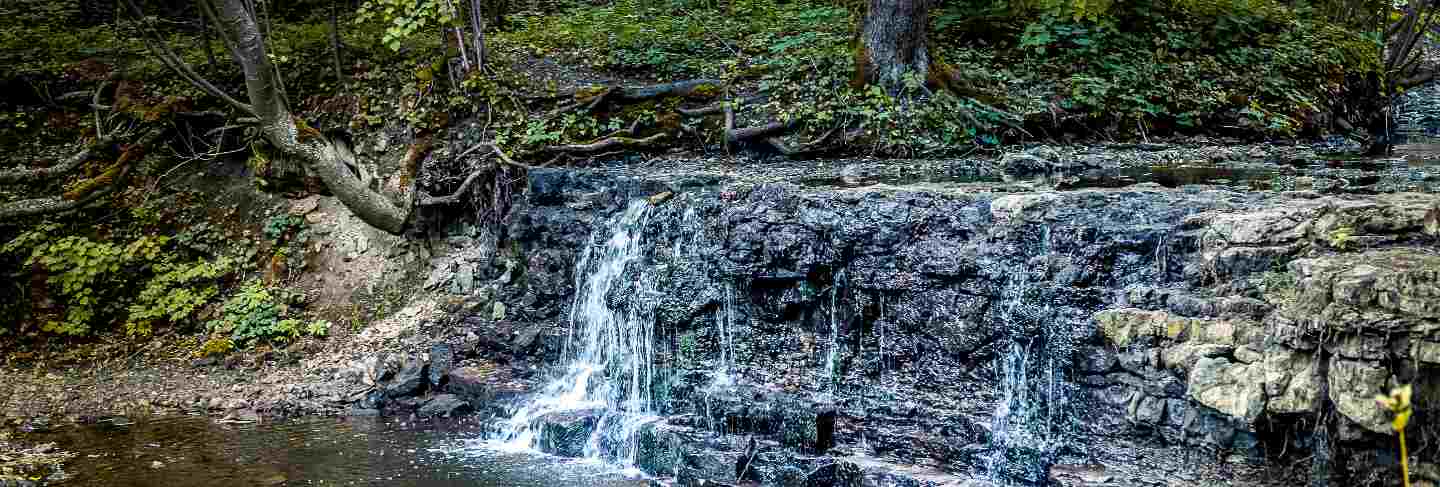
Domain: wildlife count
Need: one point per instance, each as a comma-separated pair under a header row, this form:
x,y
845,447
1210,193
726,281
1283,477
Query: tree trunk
x,y
893,43
319,154
335,46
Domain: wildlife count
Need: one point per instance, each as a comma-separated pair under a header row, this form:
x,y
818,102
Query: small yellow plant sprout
x,y
1398,402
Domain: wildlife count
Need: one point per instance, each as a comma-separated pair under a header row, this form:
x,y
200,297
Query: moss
x,y
706,90
587,93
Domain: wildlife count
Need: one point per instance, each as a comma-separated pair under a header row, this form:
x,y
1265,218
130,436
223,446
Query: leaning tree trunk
x,y
892,43
321,156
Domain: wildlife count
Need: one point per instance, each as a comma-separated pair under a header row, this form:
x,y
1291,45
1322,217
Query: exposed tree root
x,y
814,146
716,108
427,200
768,130
488,168
609,143
61,169
107,183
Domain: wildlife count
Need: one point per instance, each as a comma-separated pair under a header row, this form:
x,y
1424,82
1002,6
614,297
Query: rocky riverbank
x,y
1088,316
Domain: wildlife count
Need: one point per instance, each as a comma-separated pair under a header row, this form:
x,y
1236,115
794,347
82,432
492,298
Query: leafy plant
x,y
263,313
215,346
96,280
1340,238
176,292
403,18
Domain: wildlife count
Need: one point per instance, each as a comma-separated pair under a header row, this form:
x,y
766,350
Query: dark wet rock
x,y
709,467
442,358
1135,312
404,405
378,369
565,433
408,381
483,387
661,446
443,405
362,412
374,399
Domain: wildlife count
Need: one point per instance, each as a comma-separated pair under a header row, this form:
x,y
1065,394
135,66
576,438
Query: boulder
x,y
442,358
1353,387
481,386
565,433
1235,390
408,381
1292,382
443,405
1022,164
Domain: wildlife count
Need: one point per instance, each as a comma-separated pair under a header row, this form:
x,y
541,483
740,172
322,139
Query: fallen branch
x,y
679,88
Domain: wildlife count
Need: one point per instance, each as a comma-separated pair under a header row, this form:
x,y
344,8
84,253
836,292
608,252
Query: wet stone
x,y
565,433
375,399
444,405
442,358
408,381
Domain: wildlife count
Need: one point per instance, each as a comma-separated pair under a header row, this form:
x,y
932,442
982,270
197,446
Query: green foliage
x,y
87,274
279,227
318,328
215,346
403,18
1341,238
176,292
39,38
678,39
137,281
1133,67
263,313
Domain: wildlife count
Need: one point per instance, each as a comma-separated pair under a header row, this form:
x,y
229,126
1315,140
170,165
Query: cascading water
x,y
1024,434
609,354
726,324
832,356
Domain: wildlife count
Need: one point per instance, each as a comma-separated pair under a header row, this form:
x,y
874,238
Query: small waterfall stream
x,y
609,354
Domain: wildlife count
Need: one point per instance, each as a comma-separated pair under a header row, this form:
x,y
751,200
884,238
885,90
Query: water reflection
x,y
195,451
1414,167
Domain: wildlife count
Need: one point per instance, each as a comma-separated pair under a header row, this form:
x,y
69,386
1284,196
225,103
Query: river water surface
x,y
198,451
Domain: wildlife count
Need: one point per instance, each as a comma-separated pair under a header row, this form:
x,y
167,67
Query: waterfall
x,y
726,323
608,357
1030,378
880,323
832,356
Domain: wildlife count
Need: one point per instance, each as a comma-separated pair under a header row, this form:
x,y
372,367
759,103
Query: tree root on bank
x,y
609,143
489,167
110,181
61,169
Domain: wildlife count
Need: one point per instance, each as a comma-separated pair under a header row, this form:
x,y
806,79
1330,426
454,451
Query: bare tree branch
x,y
157,46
